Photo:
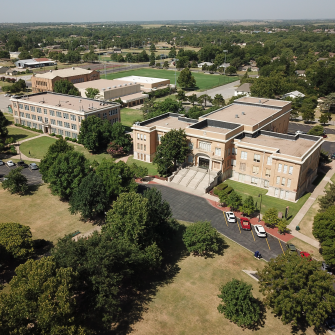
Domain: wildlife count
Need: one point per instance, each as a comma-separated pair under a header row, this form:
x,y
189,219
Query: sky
x,y
149,10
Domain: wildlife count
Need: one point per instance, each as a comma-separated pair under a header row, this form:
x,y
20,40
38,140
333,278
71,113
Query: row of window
x,y
285,169
206,146
142,137
141,147
283,181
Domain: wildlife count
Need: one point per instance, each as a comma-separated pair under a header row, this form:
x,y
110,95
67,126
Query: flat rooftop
x,y
63,73
142,80
216,130
295,147
104,83
263,101
170,122
253,114
64,101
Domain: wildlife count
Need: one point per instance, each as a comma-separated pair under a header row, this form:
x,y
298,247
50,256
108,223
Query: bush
x,y
67,138
12,150
222,186
59,136
52,134
74,140
224,194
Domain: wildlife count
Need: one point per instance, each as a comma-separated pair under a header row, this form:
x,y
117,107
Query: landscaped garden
x,y
204,81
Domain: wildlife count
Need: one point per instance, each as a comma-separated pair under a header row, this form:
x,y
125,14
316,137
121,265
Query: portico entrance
x,y
203,163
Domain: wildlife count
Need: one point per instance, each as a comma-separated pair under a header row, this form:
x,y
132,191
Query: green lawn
x,y
9,117
88,155
204,81
267,201
152,170
129,116
20,134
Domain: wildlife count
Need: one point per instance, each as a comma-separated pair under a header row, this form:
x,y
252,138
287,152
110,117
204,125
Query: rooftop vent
x,y
130,83
103,89
243,113
236,116
73,68
260,101
125,84
109,88
166,123
50,70
120,85
114,86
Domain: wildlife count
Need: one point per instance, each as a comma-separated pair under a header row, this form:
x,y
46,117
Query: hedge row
x,y
219,188
66,138
26,127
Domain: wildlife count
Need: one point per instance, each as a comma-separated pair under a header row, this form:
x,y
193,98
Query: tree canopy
x,y
186,79
91,93
65,87
16,182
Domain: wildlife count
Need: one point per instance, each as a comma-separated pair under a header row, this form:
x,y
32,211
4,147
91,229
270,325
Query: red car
x,y
245,224
304,254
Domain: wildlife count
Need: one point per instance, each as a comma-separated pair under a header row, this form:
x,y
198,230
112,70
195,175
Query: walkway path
x,y
319,190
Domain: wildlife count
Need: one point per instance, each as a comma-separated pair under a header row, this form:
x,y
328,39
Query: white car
x,y
299,132
231,217
260,231
10,163
2,163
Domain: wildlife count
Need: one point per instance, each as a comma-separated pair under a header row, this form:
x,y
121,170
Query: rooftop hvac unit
x,y
130,83
109,88
236,116
73,68
114,86
260,101
243,113
125,84
135,82
103,89
120,85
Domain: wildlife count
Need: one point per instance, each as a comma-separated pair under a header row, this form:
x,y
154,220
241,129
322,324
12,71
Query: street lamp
x,y
260,207
225,61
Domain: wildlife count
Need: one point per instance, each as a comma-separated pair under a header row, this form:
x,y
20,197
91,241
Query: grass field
x,y
9,117
188,304
20,134
47,216
129,116
204,81
267,201
152,170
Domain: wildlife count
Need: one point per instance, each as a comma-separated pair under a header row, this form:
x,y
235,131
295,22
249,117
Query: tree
x,y
90,198
16,182
317,130
192,99
186,79
91,93
204,98
238,304
290,280
72,57
282,226
181,95
271,217
152,47
230,70
166,64
218,100
3,125
120,138
173,149
324,224
324,118
90,57
172,53
4,54
248,207
201,239
60,146
117,178
16,239
65,87
41,300
24,55
67,172
234,200
328,252
139,171
152,59
308,114
328,199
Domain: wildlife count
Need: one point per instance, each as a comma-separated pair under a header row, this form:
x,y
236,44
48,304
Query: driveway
x,y
34,177
188,207
4,102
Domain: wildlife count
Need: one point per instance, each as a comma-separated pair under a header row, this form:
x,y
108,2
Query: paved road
x,y
188,207
34,177
4,102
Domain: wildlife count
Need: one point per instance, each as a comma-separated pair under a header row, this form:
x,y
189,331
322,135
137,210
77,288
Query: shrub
x,y
222,186
12,150
67,138
224,194
52,134
271,217
74,140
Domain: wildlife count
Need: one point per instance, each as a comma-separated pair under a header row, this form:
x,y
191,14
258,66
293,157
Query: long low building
x,y
60,113
128,91
146,83
34,63
245,141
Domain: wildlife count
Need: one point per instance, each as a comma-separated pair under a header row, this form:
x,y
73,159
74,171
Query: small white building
x,y
200,65
293,95
243,89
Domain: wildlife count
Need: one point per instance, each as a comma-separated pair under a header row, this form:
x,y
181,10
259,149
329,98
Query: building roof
x,y
296,94
244,88
134,97
64,101
105,84
142,80
64,73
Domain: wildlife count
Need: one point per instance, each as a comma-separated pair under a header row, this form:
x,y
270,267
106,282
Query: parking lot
x,y
188,207
34,177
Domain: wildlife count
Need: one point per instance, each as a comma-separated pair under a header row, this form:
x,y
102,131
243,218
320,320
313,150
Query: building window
x,y
52,113
104,115
280,166
257,158
21,114
269,161
27,115
233,151
159,137
40,127
60,123
242,166
266,183
66,116
33,116
244,155
58,114
255,169
141,146
288,182
145,147
32,108
73,117
74,135
60,131
40,118
285,169
206,146
28,123
283,181
144,137
233,162
80,118
138,146
46,120
138,136
34,125
67,134
290,170
267,172
53,130
241,177
141,137
26,107
277,180
190,144
66,125
254,180
45,111
52,121
217,151
20,106
14,104
15,112
73,126
228,151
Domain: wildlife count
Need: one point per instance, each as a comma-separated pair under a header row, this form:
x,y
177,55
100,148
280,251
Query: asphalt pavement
x,y
34,177
188,207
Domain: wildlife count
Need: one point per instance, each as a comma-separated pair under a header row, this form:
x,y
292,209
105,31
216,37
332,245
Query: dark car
x,y
291,247
245,224
332,156
330,322
1,162
22,164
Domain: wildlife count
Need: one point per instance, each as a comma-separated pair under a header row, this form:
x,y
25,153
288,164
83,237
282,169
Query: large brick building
x,y
60,113
245,141
44,82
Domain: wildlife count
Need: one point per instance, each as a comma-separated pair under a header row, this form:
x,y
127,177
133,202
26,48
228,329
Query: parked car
x,y
2,163
10,163
291,247
326,267
330,322
22,164
299,132
304,254
260,231
332,156
33,166
231,217
324,135
245,224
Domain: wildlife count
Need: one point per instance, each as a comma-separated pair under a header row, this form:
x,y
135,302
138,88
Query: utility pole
x,y
225,61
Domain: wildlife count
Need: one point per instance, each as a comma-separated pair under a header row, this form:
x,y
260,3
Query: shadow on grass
x,y
42,246
33,188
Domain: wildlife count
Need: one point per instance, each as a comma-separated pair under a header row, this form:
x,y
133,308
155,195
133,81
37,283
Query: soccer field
x,y
204,81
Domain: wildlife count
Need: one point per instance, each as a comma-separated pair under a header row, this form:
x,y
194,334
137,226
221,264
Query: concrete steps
x,y
179,176
188,177
198,177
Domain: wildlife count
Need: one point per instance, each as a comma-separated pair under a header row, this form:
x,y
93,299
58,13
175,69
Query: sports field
x,y
204,81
